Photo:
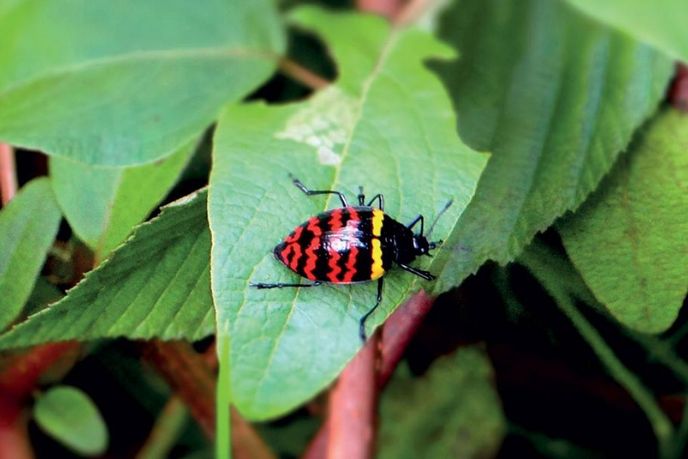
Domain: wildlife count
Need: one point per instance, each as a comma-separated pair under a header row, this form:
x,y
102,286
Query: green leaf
x,y
629,239
555,97
70,416
558,278
102,204
388,125
455,410
661,23
157,285
28,226
127,82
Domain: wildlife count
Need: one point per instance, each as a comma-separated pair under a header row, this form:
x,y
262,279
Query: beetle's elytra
x,y
352,244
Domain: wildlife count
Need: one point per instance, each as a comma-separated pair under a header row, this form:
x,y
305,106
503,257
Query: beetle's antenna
x,y
444,209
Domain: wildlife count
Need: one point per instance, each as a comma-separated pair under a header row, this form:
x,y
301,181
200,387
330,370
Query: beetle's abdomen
x,y
341,246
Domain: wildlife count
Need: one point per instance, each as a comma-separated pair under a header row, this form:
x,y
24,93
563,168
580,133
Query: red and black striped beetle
x,y
352,244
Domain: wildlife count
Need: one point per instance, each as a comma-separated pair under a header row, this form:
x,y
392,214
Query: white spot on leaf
x,y
325,123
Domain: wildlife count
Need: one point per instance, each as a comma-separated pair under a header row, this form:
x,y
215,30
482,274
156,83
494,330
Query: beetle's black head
x,y
421,246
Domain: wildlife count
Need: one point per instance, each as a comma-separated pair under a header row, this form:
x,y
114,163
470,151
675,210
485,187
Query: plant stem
x,y
396,335
660,423
351,417
188,376
302,74
398,331
192,378
386,8
8,175
18,380
223,398
678,94
168,426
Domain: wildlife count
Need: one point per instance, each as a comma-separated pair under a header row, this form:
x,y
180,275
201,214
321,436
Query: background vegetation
x,y
144,165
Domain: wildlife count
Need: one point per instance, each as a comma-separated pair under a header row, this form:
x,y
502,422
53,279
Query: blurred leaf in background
x,y
452,411
630,239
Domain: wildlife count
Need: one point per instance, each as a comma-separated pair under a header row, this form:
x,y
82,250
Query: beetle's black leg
x,y
380,201
261,285
361,196
415,221
361,323
303,188
418,272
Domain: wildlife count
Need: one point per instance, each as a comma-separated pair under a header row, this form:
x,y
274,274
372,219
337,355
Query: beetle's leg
x,y
261,285
418,272
380,201
415,221
361,323
303,188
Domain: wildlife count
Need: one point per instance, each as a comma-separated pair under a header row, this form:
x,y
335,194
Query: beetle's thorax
x,y
402,241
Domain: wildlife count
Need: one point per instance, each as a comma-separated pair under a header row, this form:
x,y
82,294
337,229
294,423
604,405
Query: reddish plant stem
x,y
387,8
396,335
317,448
8,175
398,332
18,379
188,376
193,380
678,94
351,417
302,74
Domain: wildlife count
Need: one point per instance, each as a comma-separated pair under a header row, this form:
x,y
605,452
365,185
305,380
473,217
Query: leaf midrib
x,y
208,53
391,40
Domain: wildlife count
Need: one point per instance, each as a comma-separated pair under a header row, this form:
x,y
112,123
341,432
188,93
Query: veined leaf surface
x,y
630,239
388,125
28,225
555,97
103,204
156,285
128,82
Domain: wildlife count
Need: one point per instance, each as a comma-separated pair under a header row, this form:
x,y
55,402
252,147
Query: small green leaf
x,y
452,411
155,285
103,204
387,125
70,416
661,23
555,97
629,240
27,229
127,82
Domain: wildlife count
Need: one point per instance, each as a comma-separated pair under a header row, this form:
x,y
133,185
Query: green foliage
x,y
103,204
555,98
629,240
70,416
661,23
156,285
558,278
27,229
119,83
453,411
388,125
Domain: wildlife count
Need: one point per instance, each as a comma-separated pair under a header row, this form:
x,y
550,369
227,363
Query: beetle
x,y
352,244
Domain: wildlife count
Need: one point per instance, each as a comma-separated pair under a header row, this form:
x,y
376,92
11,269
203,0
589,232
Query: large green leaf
x,y
27,229
630,239
661,23
102,204
157,285
127,82
388,125
71,417
555,98
453,411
